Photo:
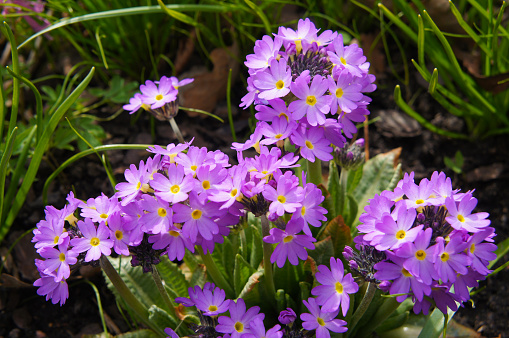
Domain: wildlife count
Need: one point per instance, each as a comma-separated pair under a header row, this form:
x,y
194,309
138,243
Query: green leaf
x,y
161,318
199,276
334,190
339,233
173,277
354,177
228,259
257,248
251,292
140,284
138,334
241,273
352,209
378,173
324,250
191,260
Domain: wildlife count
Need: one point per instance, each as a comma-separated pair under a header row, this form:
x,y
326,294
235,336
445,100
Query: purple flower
x,y
287,316
95,241
137,182
174,188
239,321
56,291
275,108
258,330
265,50
157,215
99,209
311,211
278,131
461,216
349,57
395,234
344,93
312,144
119,234
290,245
322,322
212,302
451,259
158,96
312,103
286,197
171,334
135,103
58,261
335,287
419,257
275,81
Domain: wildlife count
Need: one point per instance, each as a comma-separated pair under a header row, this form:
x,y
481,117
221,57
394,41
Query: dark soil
x,y
486,169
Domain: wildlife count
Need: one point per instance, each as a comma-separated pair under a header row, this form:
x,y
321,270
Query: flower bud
x,y
350,157
287,316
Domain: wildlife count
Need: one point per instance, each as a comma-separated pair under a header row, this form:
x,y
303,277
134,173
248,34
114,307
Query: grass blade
x,y
3,171
39,152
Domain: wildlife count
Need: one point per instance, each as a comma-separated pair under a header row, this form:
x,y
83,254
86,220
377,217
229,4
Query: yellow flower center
x,y
309,145
278,136
461,218
56,239
472,248
61,257
339,92
212,308
280,84
174,233
405,273
196,214
284,114
138,186
339,287
233,192
162,212
311,100
103,216
287,239
400,234
205,185
320,321
239,327
420,255
343,61
159,97
194,167
95,241
119,235
419,201
175,189
281,199
444,257
303,211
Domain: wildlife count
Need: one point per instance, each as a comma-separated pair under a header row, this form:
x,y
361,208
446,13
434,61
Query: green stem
x,y
363,306
314,171
162,290
343,179
384,311
267,265
127,295
99,305
215,274
176,130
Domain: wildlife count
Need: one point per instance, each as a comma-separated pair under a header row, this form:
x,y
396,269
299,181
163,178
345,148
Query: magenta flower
x,y
137,182
119,234
335,287
320,321
395,233
258,330
174,243
349,57
265,50
312,102
198,217
157,215
275,108
461,216
99,209
95,241
191,161
58,261
239,321
311,211
344,93
212,301
290,245
275,81
279,130
287,197
158,96
174,188
312,144
451,259
56,291
135,103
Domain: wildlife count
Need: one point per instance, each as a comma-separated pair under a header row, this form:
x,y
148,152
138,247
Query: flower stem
x,y
162,290
343,179
176,130
215,274
363,306
127,295
267,265
389,305
314,171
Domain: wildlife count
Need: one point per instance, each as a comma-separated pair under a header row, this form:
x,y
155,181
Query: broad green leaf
x,y
378,173
354,177
324,250
339,233
352,208
199,276
173,277
191,260
251,292
281,300
241,273
257,248
228,258
162,319
141,284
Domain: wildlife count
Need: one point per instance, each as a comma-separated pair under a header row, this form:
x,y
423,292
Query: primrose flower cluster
x,y
423,241
160,98
296,88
